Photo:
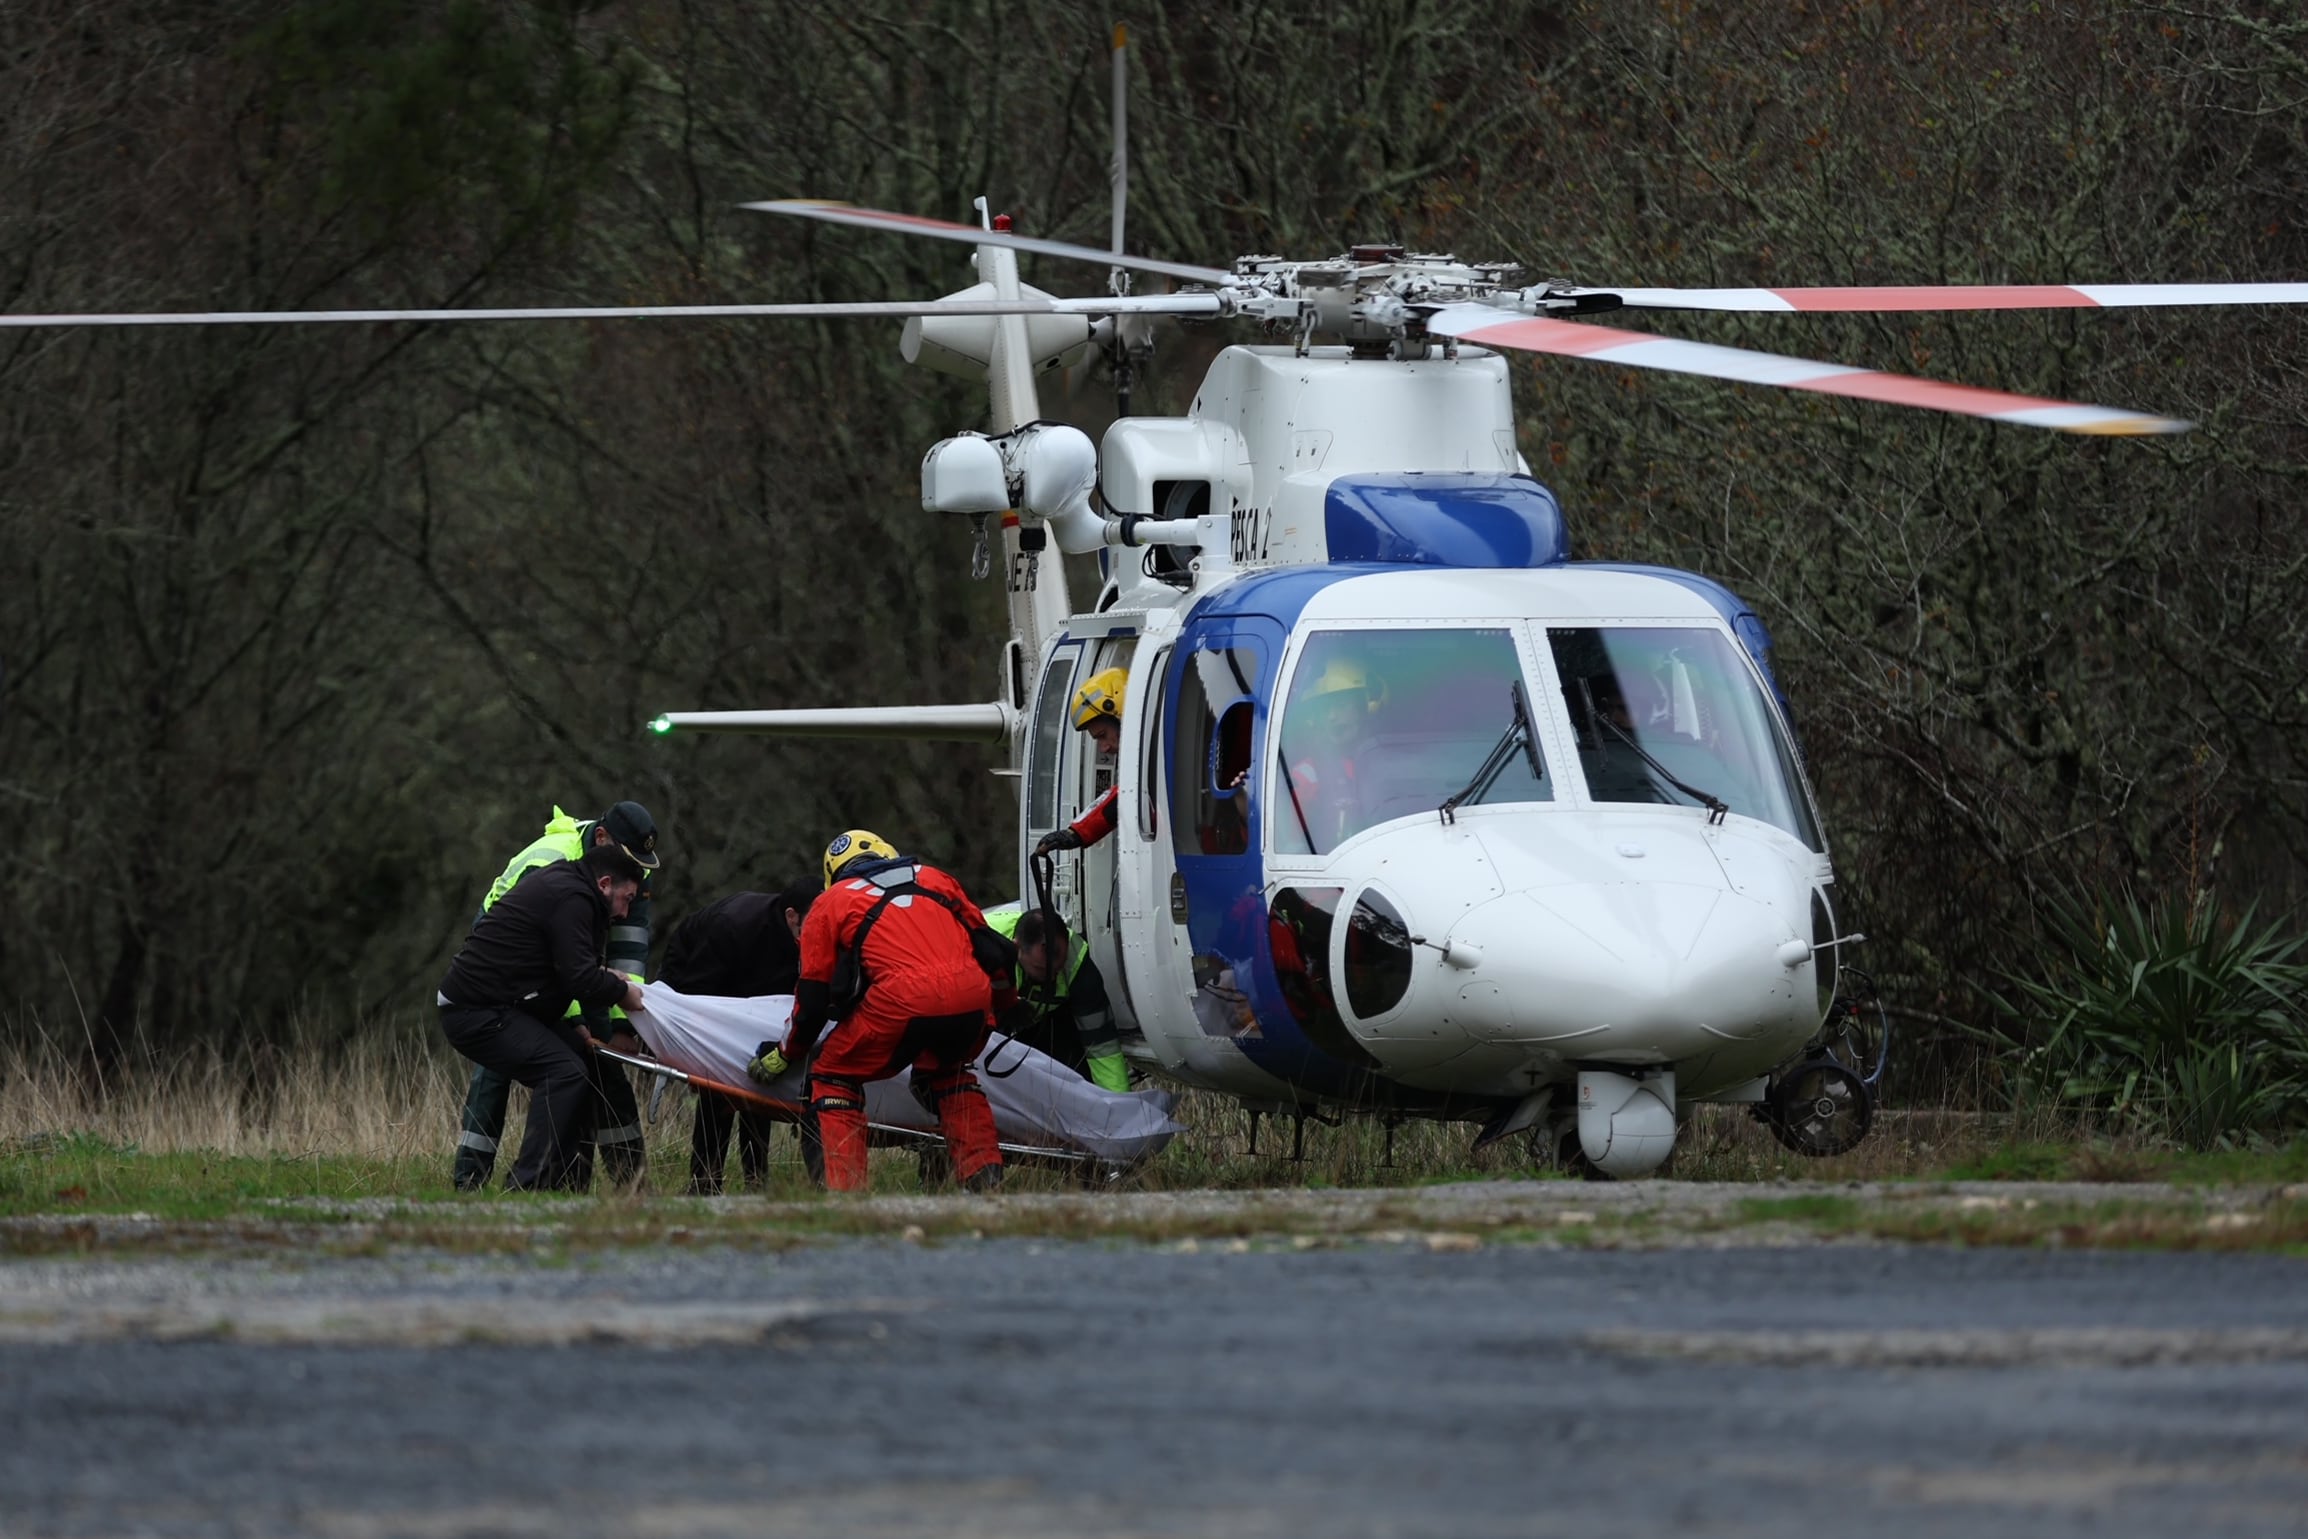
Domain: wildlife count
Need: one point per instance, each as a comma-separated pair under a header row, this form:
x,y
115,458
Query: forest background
x,y
304,630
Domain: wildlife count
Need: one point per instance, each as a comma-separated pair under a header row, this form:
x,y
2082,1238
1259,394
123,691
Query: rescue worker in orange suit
x,y
1097,710
906,933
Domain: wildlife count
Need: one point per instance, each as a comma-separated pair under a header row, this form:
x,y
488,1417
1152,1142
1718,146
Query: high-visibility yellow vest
x,y
1004,921
564,839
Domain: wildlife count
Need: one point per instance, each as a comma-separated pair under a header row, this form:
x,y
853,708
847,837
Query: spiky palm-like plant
x,y
2166,1016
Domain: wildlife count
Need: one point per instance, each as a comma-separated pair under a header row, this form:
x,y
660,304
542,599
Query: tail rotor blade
x,y
1484,326
971,235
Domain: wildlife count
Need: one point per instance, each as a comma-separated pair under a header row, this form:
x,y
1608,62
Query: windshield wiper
x,y
1518,734
1715,805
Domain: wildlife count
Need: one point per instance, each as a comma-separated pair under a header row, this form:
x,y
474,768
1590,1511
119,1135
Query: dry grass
x,y
390,1094
379,1094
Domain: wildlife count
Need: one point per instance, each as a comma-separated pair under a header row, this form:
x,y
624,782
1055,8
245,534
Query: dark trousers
x,y
618,1128
567,1090
1048,1031
709,1142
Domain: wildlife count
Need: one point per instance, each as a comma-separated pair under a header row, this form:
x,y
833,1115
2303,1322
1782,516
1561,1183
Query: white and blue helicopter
x,y
1418,816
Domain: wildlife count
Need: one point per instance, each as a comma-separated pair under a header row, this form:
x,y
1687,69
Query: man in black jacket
x,y
739,947
505,1000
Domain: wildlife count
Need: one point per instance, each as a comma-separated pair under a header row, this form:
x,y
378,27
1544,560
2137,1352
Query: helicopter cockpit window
x,y
1210,790
1384,724
1674,714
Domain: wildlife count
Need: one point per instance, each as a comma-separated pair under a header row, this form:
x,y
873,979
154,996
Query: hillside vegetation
x,y
305,629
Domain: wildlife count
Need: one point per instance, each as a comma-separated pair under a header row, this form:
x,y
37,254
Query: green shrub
x,y
2167,1017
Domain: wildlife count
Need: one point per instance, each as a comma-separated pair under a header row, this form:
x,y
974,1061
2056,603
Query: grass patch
x,y
346,1149
2100,1160
1819,1209
83,1173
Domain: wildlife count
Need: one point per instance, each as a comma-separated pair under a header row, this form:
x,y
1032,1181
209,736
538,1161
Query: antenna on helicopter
x,y
1118,170
1129,343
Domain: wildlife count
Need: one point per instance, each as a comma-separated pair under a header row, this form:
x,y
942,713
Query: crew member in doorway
x,y
1097,711
1062,1007
505,1003
627,827
739,947
898,951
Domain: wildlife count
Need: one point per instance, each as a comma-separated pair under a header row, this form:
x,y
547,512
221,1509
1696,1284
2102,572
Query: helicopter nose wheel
x,y
1819,1108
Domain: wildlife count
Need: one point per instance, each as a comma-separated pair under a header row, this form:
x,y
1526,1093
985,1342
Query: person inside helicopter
x,y
1387,723
1096,710
1323,730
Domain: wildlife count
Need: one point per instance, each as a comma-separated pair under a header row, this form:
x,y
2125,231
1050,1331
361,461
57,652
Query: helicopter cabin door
x,y
1093,907
1220,673
1049,740
1064,778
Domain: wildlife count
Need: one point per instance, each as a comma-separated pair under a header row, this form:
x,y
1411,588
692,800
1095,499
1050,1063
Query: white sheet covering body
x,y
1035,1098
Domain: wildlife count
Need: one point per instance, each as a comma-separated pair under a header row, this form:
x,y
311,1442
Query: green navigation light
x,y
661,725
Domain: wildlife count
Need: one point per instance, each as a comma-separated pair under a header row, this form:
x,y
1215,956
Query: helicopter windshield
x,y
1383,724
1684,697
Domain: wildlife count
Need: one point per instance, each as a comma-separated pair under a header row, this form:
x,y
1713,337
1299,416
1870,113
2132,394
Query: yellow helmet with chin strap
x,y
1100,697
855,845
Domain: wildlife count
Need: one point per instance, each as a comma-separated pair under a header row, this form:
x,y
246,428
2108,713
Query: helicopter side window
x,y
1209,799
1674,715
1049,741
1386,724
1100,772
1150,768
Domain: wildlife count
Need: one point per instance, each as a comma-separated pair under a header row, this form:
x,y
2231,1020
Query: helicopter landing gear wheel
x,y
1819,1108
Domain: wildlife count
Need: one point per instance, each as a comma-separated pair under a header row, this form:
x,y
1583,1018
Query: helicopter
x,y
1418,815
1576,880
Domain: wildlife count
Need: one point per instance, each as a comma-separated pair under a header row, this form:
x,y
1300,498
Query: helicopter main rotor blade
x,y
971,235
897,309
1483,325
1989,296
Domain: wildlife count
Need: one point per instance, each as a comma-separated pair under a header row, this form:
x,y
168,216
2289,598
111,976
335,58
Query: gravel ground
x,y
1412,1380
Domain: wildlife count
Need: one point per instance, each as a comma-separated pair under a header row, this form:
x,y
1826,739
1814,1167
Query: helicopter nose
x,y
1649,973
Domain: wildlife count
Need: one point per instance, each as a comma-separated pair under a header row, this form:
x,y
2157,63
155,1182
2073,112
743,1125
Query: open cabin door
x,y
1095,908
1196,990
1064,779
1048,745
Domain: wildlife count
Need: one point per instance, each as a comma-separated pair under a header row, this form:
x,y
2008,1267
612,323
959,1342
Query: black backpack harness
x,y
995,953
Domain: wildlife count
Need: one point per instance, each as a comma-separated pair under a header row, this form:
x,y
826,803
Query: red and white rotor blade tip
x,y
891,309
970,234
1483,325
1983,296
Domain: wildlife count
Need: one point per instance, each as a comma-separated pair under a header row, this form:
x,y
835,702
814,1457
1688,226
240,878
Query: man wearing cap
x,y
628,828
506,1003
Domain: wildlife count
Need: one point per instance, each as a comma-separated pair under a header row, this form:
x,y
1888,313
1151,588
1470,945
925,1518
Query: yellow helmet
x,y
1100,695
1339,676
857,844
